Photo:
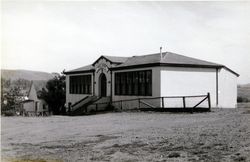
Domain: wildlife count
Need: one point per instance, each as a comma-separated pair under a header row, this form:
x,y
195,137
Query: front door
x,y
103,88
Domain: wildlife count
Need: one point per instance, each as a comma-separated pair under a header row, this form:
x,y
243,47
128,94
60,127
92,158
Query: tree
x,y
10,97
22,83
55,94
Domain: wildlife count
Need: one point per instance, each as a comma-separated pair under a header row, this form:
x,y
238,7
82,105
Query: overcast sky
x,y
52,36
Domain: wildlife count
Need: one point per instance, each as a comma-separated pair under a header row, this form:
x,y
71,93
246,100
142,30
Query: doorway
x,y
103,85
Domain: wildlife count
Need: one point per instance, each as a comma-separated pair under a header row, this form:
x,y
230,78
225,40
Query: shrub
x,y
174,155
242,99
8,113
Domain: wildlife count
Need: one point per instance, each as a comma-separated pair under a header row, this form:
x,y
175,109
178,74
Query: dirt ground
x,y
220,135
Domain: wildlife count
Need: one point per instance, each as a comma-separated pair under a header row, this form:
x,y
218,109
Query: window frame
x,y
135,83
80,84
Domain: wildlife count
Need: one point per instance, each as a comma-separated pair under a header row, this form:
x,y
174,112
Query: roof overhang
x,y
231,71
173,65
165,65
79,72
25,101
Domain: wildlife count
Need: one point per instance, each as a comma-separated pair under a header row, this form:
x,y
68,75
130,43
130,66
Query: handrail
x,y
79,101
88,98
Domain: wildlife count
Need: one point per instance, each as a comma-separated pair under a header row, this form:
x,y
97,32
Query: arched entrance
x,y
103,85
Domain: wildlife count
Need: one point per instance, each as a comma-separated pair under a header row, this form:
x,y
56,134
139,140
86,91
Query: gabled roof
x,y
167,59
91,68
112,59
38,86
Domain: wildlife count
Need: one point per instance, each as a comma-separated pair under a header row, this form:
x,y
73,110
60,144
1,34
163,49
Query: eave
x,y
173,65
165,65
79,72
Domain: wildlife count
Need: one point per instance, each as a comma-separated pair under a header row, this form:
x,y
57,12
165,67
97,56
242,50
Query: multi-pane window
x,y
117,83
80,84
137,83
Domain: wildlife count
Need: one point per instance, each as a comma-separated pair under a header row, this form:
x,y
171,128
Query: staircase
x,y
88,104
100,105
80,107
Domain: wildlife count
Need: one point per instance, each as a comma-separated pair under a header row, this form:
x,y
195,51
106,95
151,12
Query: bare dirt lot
x,y
220,135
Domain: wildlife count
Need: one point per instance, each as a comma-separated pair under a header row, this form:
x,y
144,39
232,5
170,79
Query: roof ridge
x,y
148,54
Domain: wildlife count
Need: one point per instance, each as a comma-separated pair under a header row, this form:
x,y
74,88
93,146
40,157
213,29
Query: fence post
x,y
162,102
184,102
209,101
121,104
96,107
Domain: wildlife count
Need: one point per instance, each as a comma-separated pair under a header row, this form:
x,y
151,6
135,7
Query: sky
x,y
52,36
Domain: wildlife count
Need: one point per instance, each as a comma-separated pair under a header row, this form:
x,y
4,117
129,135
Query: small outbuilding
x,y
118,80
33,105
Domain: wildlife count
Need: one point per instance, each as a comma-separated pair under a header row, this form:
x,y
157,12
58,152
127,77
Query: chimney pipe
x,y
161,52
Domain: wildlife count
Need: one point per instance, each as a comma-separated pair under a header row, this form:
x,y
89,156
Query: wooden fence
x,y
161,103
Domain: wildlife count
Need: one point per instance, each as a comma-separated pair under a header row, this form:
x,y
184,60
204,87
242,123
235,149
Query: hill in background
x,y
244,91
23,79
25,74
40,78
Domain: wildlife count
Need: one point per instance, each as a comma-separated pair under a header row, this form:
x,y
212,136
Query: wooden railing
x,y
162,102
145,103
79,101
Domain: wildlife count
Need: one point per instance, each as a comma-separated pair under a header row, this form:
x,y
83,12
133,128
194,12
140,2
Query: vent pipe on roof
x,y
161,52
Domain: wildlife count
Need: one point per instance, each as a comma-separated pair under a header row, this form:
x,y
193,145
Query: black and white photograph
x,y
125,81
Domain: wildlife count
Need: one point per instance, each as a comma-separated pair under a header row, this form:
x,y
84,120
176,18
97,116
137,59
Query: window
x,y
148,82
129,83
80,84
117,83
123,84
137,83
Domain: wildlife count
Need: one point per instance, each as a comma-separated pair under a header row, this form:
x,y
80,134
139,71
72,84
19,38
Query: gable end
x,y
100,59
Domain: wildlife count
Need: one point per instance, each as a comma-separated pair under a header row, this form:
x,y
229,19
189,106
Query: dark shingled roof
x,y
168,59
112,59
84,68
89,68
116,59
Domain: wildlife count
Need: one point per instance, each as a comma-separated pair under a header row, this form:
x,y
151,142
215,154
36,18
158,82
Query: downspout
x,y
111,87
94,83
217,88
